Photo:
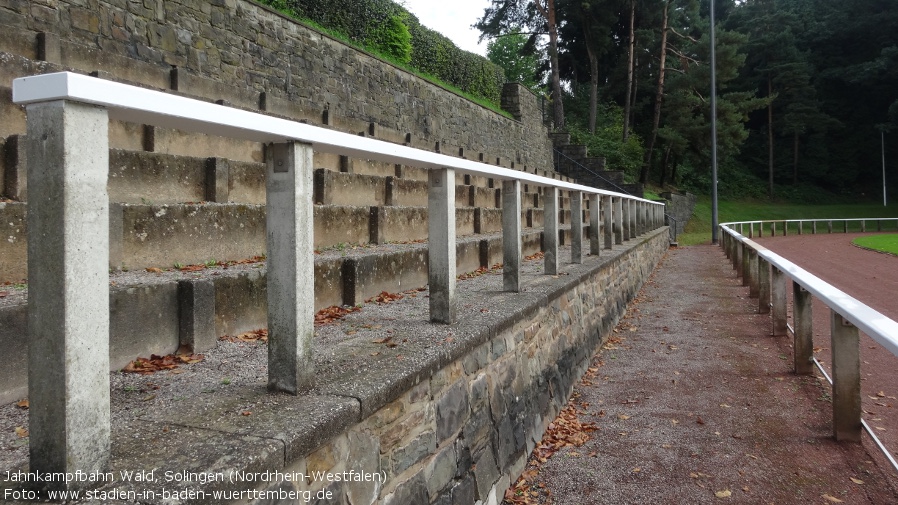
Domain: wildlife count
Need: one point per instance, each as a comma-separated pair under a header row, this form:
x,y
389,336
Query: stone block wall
x,y
463,433
681,207
248,55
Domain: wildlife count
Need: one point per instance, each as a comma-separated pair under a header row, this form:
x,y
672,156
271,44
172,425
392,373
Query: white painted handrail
x,y
146,106
754,262
875,324
68,216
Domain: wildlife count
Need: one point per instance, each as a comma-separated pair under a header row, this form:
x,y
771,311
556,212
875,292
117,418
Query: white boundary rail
x,y
68,250
766,274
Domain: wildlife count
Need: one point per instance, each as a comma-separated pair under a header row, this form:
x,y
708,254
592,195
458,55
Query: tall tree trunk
x,y
795,159
630,63
659,95
548,11
634,89
593,85
664,166
770,138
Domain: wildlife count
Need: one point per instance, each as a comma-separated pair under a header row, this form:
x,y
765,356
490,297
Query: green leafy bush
x,y
392,39
387,28
607,140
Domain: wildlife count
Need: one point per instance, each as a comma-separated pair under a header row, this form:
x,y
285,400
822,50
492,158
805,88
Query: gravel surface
x,y
695,403
344,348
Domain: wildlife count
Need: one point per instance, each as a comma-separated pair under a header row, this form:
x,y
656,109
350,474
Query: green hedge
x,y
396,33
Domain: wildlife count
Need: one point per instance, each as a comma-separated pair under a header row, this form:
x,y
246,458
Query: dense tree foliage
x,y
805,87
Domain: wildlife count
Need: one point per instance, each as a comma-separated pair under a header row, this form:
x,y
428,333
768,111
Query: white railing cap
x,y
146,106
876,325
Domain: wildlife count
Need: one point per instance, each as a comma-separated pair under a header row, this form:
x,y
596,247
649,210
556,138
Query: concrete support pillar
x,y
637,218
779,302
550,230
196,314
291,275
745,267
68,288
511,236
625,219
441,245
632,218
754,286
594,228
576,227
617,220
607,222
763,286
804,324
846,368
217,178
737,258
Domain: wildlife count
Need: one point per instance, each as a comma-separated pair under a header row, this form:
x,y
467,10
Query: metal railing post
x,y
511,235
291,274
441,245
68,288
846,368
803,344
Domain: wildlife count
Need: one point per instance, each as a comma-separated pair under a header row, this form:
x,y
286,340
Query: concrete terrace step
x,y
493,381
144,236
147,307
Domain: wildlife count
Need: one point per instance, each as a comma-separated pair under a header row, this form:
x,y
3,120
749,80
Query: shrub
x,y
389,29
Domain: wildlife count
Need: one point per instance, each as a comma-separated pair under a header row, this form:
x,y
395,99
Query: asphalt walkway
x,y
695,402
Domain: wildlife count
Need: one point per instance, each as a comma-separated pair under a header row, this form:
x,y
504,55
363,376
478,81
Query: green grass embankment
x,y
698,231
887,243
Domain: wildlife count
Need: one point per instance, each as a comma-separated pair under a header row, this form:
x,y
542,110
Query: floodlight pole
x,y
882,134
714,220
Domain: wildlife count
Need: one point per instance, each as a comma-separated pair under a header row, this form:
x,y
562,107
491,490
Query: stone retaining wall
x,y
248,55
680,207
464,432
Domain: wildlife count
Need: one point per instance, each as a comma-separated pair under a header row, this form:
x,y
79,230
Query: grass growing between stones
x,y
882,243
698,231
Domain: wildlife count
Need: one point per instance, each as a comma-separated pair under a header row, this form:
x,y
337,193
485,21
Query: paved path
x,y
695,403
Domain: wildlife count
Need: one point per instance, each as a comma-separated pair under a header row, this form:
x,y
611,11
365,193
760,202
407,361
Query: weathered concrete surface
x,y
694,397
449,413
68,323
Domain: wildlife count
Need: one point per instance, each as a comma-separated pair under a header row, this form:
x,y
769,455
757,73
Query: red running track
x,y
872,278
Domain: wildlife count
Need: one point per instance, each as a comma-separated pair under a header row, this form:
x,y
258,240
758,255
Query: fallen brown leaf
x,y
856,481
21,432
23,403
726,493
832,498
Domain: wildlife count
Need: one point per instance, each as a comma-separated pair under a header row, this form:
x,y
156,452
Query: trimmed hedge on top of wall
x,y
393,31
